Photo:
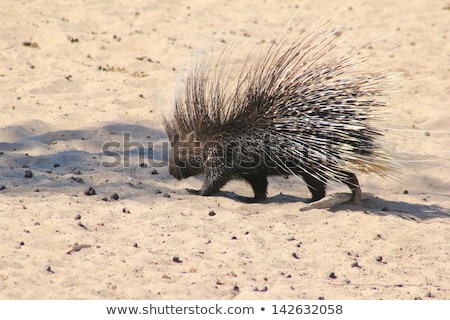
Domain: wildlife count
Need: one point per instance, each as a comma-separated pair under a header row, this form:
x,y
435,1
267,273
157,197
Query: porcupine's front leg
x,y
217,173
215,180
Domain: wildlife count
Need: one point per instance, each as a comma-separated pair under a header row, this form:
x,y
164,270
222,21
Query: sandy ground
x,y
75,75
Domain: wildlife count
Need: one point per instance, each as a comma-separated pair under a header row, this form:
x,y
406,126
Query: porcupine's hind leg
x,y
315,186
258,182
352,182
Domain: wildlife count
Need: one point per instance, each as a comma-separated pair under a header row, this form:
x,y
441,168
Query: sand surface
x,y
75,75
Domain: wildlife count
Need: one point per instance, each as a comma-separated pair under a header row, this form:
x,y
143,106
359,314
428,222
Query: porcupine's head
x,y
185,158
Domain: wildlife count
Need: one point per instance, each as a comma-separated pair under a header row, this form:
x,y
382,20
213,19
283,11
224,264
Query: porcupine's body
x,y
299,111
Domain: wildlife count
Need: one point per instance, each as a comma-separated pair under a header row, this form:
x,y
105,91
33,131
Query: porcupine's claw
x,y
192,191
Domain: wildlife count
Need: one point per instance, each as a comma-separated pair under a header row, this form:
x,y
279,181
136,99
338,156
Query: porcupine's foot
x,y
259,183
212,184
192,191
353,184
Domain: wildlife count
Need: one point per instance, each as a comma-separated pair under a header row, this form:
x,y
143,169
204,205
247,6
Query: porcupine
x,y
295,111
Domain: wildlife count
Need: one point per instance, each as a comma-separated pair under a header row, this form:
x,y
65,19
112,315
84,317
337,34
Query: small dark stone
x,y
25,166
264,289
37,190
115,196
233,238
48,269
55,165
157,191
143,165
26,230
331,275
28,174
154,171
288,276
105,199
379,258
321,298
77,217
295,255
427,134
125,210
82,225
21,243
37,223
385,209
211,213
77,179
135,245
89,191
166,195
255,289
2,187
405,192
176,259
236,288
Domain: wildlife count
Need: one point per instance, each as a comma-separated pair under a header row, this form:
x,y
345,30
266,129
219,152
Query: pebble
x,y
176,259
2,187
28,174
290,238
154,171
37,223
77,217
166,195
428,294
48,269
77,179
233,238
21,243
135,245
115,196
379,258
236,288
263,289
55,165
295,255
331,275
355,264
89,191
158,191
211,213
